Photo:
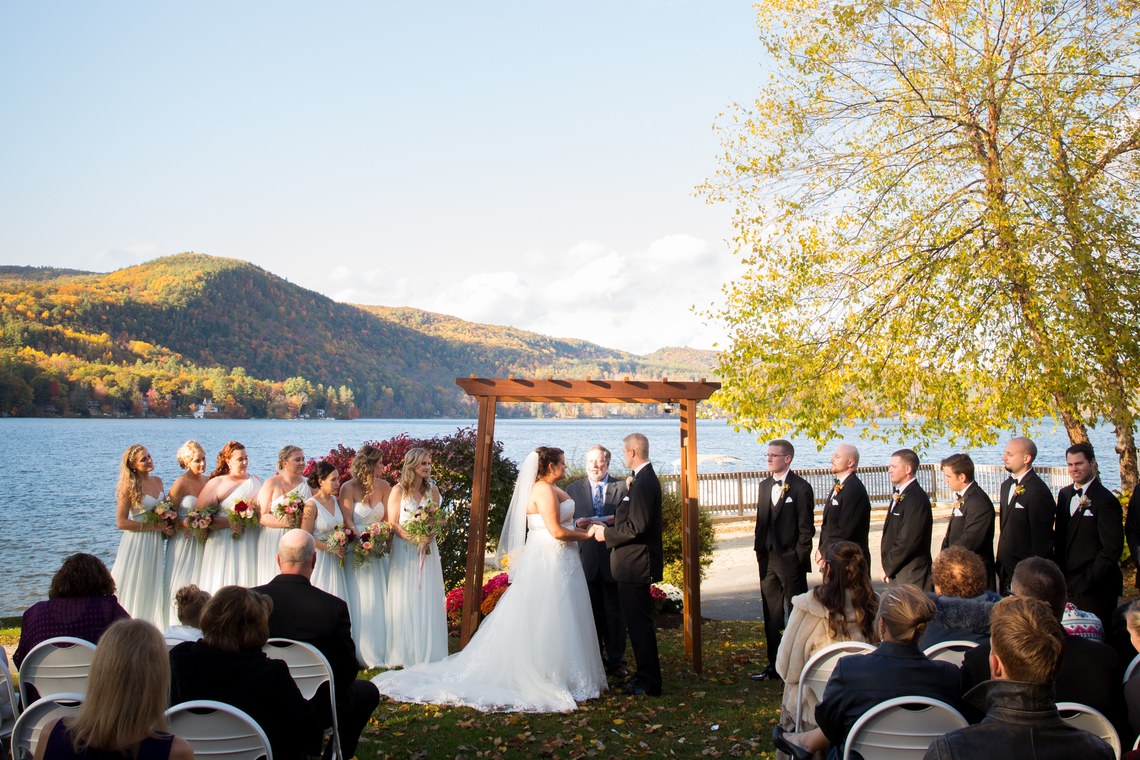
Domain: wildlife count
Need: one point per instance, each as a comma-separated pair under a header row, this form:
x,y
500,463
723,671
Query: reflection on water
x,y
61,473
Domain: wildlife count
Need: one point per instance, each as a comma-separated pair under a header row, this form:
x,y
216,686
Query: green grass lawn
x,y
720,713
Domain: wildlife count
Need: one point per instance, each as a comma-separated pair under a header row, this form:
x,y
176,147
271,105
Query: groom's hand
x,y
584,522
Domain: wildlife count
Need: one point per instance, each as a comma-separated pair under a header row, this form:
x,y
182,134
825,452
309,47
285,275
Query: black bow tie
x,y
836,481
1080,492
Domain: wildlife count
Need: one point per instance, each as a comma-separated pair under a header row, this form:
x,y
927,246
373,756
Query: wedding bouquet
x,y
337,541
245,515
372,543
200,521
291,508
163,513
424,525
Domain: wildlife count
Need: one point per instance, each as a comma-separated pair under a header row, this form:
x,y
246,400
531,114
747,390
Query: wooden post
x,y
690,533
477,537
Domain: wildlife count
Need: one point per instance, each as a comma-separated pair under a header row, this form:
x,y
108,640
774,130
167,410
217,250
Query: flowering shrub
x,y
491,600
666,598
492,590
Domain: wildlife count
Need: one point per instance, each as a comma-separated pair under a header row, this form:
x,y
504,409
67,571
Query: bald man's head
x,y
297,553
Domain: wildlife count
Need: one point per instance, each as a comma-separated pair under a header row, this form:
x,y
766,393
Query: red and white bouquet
x,y
371,544
245,516
290,509
163,514
200,521
337,541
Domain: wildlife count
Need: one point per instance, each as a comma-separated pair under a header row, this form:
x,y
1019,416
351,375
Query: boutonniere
x,y
896,498
783,489
1018,490
1084,503
959,501
838,487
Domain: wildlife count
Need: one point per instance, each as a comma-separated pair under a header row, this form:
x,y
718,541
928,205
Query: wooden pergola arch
x,y
489,392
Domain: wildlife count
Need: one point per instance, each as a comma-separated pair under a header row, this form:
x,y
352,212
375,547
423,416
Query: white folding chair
x,y
952,652
217,730
1131,669
26,733
309,669
1091,720
57,665
901,728
8,691
818,669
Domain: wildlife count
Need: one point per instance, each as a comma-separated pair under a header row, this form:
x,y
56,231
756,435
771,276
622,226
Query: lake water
x,y
61,473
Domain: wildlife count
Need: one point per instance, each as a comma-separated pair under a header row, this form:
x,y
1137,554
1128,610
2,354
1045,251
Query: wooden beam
x,y
587,391
690,534
477,536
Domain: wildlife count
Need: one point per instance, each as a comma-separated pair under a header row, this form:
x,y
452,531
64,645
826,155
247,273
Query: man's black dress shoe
x,y
785,746
768,674
637,691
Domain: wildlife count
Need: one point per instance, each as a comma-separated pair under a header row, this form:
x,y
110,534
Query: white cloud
x,y
128,256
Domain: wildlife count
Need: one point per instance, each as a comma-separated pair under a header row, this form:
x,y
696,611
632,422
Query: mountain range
x,y
161,337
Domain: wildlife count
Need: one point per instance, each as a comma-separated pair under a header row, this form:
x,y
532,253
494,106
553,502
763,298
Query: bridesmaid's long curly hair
x,y
224,455
362,467
130,479
413,459
846,574
548,458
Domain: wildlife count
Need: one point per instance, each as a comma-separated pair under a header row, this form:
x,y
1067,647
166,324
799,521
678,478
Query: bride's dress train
x,y
536,652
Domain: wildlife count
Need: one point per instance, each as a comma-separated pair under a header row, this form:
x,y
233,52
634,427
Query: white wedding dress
x,y
536,652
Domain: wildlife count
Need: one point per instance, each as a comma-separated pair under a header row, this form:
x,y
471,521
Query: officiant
x,y
596,497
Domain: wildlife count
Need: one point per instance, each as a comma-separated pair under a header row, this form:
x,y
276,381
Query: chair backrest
x,y
818,669
952,652
1131,669
901,728
217,730
26,733
8,695
1091,720
56,666
309,669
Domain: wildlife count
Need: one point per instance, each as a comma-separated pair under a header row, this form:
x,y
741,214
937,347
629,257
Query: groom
x,y
636,560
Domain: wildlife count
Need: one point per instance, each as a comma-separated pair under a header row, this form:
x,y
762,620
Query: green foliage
x,y
671,539
937,210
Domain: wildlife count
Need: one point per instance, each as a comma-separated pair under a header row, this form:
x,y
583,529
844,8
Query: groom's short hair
x,y
638,443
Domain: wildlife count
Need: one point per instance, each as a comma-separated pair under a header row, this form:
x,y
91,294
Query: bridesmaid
x,y
184,552
227,561
290,479
322,514
367,492
138,569
418,631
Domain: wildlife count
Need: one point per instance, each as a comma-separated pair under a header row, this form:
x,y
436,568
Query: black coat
x,y
595,556
973,529
635,536
859,682
1089,543
847,517
1026,522
786,530
1132,531
906,538
253,683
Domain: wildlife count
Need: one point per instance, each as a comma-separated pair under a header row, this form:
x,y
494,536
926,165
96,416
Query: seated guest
x,y
1088,672
960,596
124,711
227,665
1082,623
897,668
81,603
189,602
1021,715
1132,685
842,608
305,613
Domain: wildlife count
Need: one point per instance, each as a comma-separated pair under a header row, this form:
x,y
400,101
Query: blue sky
x,y
522,163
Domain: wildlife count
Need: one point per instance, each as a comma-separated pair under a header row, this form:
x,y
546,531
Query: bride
x,y
537,651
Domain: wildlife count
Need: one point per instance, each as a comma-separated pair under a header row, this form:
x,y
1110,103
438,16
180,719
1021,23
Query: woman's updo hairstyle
x,y
189,601
905,611
319,472
284,454
186,453
548,458
224,455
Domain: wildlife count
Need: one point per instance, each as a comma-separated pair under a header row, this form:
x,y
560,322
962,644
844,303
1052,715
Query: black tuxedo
x,y
1089,545
303,612
847,517
906,538
604,597
1026,524
1132,531
783,550
972,527
636,561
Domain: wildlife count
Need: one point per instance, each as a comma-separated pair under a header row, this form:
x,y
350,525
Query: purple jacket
x,y
84,617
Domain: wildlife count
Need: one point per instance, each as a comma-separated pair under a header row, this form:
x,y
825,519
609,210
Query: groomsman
x,y
1027,511
596,498
847,513
972,521
1090,536
1132,531
637,560
907,529
784,530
